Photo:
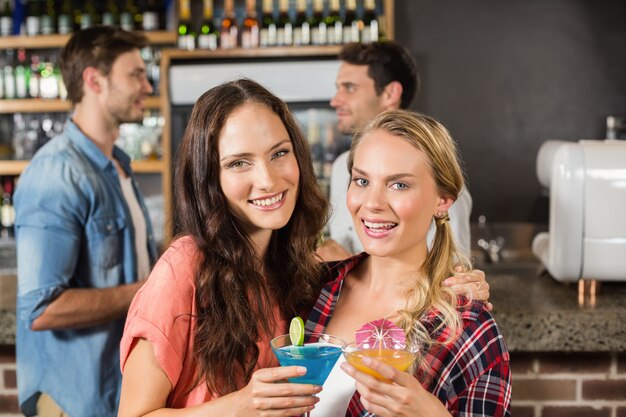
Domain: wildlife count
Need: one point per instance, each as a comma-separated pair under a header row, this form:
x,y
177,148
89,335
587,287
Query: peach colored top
x,y
162,312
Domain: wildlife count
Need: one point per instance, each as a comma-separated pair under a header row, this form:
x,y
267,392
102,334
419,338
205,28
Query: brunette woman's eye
x,y
280,153
237,164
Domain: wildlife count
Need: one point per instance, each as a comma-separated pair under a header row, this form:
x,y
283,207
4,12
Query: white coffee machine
x,y
587,231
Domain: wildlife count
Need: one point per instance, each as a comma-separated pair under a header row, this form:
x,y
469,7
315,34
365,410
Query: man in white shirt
x,y
373,78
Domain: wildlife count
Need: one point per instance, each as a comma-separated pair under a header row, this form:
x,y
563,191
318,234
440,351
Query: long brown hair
x,y
434,141
234,299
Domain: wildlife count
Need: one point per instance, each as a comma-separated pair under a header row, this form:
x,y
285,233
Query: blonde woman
x,y
404,175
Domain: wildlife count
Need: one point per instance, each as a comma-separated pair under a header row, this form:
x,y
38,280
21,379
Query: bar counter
x,y
534,312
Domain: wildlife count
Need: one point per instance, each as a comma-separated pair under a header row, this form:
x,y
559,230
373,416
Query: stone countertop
x,y
535,313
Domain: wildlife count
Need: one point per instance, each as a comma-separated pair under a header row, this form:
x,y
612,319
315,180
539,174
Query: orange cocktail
x,y
398,357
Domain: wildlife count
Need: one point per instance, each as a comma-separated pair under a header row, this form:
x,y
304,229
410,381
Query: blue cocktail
x,y
318,355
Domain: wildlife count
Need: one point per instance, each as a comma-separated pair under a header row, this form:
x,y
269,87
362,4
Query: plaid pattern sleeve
x,y
471,376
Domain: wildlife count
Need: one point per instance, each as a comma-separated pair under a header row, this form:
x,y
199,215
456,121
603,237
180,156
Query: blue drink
x,y
318,358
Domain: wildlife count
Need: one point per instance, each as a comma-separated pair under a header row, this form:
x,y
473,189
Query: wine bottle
x,y
6,19
229,29
65,22
284,28
268,25
351,23
8,76
128,15
35,77
186,35
334,27
7,212
369,32
111,14
317,24
150,16
250,28
208,36
33,18
301,29
21,74
89,16
48,18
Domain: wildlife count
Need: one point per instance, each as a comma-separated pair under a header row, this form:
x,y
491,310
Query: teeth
x,y
268,201
371,225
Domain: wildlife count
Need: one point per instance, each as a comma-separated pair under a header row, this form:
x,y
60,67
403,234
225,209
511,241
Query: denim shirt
x,y
73,230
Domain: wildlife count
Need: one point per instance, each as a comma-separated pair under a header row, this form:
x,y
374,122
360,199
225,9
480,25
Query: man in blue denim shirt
x,y
84,239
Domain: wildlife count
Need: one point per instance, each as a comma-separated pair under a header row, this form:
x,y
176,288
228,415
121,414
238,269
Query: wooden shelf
x,y
58,41
174,54
11,167
38,105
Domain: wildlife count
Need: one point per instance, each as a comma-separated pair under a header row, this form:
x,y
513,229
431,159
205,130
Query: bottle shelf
x,y
274,51
38,105
57,41
11,167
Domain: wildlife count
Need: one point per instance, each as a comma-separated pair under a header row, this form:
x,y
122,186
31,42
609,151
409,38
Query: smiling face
x,y
126,88
259,173
356,101
392,196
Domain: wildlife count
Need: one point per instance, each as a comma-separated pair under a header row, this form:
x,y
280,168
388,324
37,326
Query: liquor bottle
x,y
110,14
268,25
7,212
351,23
35,77
49,83
229,30
334,27
8,76
250,28
89,16
48,18
369,32
302,29
186,35
208,36
21,74
129,15
284,28
33,18
6,19
65,21
317,24
150,16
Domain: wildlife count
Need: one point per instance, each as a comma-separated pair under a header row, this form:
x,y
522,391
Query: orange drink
x,y
398,357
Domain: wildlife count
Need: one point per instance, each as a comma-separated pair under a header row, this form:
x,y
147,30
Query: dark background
x,y
506,75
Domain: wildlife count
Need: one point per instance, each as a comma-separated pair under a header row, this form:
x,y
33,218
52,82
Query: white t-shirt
x,y
139,224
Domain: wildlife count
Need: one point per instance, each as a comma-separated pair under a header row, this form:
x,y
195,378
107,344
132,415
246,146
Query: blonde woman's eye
x,y
399,186
361,182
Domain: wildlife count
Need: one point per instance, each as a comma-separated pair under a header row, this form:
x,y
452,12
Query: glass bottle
x,y
21,74
186,35
268,25
111,14
334,26
35,76
229,30
48,18
351,23
284,28
33,18
7,212
369,32
208,36
250,28
6,19
302,29
317,24
128,15
8,76
89,16
65,21
150,16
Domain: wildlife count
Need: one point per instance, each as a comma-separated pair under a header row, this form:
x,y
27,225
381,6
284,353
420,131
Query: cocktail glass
x,y
394,354
318,356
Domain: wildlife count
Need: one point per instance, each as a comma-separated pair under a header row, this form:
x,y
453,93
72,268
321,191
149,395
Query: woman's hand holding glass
x,y
402,396
268,393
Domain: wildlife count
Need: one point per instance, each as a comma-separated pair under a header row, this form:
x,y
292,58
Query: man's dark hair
x,y
97,47
387,62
